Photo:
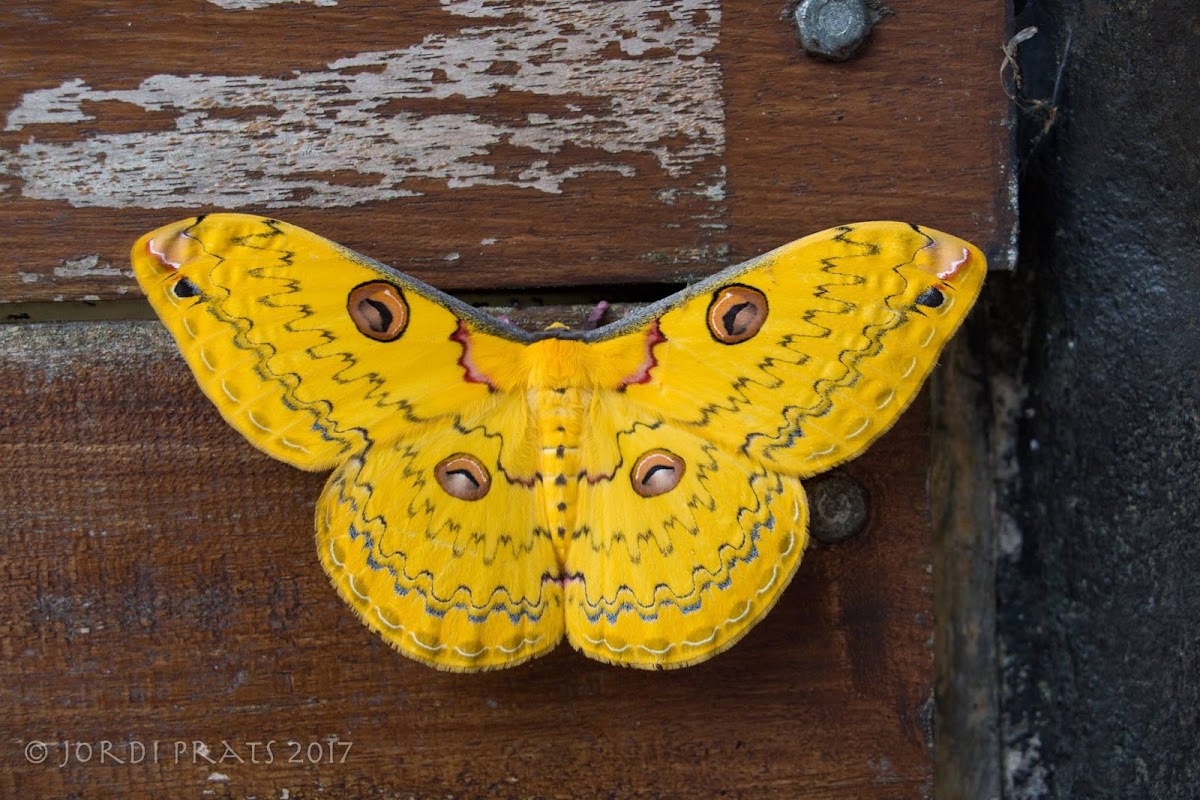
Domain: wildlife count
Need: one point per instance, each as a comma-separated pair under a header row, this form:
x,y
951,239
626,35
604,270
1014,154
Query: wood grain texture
x,y
161,585
965,533
488,144
160,580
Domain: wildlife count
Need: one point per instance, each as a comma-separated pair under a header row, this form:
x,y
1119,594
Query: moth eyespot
x,y
930,298
656,472
736,313
463,476
379,310
183,288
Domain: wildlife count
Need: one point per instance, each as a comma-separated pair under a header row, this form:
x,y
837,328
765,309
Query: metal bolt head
x,y
839,506
833,29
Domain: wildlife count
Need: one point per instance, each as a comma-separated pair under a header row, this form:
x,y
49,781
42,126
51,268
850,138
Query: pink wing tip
x,y
956,265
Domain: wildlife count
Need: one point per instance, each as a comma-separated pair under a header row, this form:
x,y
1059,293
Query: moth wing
x,y
672,579
266,315
844,326
766,373
456,582
323,358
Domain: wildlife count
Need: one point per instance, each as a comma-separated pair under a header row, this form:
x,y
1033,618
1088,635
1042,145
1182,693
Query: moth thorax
x,y
557,363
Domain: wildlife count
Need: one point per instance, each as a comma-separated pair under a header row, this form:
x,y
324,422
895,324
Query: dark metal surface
x,y
833,29
839,506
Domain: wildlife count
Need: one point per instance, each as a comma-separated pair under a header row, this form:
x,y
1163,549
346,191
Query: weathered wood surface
x,y
160,582
488,144
160,585
962,478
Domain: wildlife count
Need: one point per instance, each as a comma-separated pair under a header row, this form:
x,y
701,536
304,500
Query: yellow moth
x,y
634,489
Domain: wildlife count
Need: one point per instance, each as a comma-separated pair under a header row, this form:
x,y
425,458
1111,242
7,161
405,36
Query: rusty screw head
x,y
833,29
838,504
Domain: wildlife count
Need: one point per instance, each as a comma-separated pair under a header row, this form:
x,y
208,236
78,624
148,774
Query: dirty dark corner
x,y
1097,337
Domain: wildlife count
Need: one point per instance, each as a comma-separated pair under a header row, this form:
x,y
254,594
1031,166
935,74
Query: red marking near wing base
x,y
462,336
654,338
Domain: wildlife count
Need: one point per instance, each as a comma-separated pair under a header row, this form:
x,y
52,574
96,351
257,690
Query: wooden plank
x,y
160,585
488,144
160,580
962,476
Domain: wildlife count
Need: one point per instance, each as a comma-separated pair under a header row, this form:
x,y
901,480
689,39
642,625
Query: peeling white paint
x,y
389,117
29,277
250,5
89,266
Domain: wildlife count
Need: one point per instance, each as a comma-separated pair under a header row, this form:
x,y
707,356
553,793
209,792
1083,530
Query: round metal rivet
x,y
833,29
839,506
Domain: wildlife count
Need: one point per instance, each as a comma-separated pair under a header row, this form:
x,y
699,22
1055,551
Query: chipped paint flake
x,y
250,5
89,266
646,70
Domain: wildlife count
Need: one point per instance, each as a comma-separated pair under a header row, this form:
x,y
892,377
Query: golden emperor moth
x,y
634,488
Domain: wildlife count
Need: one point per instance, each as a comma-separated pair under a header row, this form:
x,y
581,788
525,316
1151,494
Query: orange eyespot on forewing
x,y
463,476
379,310
656,472
736,313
